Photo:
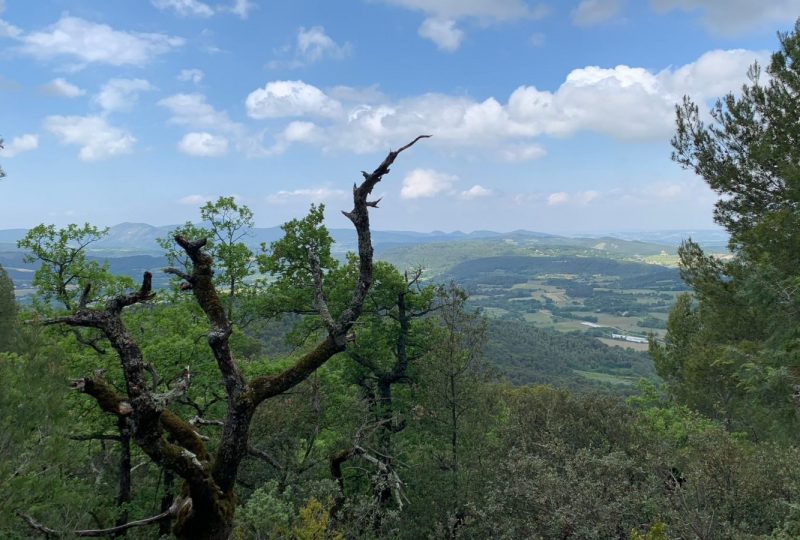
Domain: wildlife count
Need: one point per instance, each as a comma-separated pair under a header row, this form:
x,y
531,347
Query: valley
x,y
574,312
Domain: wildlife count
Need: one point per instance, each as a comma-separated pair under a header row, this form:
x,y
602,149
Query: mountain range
x,y
140,238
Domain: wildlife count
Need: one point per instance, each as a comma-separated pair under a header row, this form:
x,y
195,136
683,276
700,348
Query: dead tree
x,y
206,505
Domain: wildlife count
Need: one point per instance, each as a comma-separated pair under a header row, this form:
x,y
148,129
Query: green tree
x,y
748,307
228,223
65,271
8,312
747,155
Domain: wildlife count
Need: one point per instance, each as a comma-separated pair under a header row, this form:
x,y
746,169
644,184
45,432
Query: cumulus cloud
x,y
195,200
121,94
734,16
593,12
203,144
290,98
426,183
19,145
98,140
442,16
242,8
443,32
476,192
312,45
194,111
8,30
581,198
61,87
311,194
498,10
185,8
193,75
624,102
89,42
522,152
561,197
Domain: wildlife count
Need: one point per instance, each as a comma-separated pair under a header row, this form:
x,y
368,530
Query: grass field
x,y
606,377
625,344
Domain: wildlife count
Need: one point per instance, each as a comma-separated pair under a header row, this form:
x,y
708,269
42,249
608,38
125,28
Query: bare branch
x,y
180,273
320,302
264,456
48,532
206,295
115,305
360,218
162,400
197,421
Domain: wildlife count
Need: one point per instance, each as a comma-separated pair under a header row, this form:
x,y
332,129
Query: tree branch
x,y
51,533
264,456
320,302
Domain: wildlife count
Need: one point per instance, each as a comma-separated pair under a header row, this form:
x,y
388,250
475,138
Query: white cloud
x,y
624,102
442,16
442,32
63,88
369,95
734,16
203,144
290,98
195,200
498,10
8,30
98,140
19,145
192,110
476,192
581,198
90,42
121,94
585,197
185,8
522,152
294,132
555,199
242,8
193,75
714,74
312,194
425,183
314,44
593,12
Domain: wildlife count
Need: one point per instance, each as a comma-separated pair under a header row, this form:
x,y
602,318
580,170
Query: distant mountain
x,y
708,238
132,238
128,238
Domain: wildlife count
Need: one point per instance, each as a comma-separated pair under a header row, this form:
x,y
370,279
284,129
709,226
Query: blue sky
x,y
549,116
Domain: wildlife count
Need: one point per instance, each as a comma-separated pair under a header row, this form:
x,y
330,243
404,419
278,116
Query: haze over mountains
x,y
140,238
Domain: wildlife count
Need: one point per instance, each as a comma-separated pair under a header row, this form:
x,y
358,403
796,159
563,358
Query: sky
x,y
551,116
